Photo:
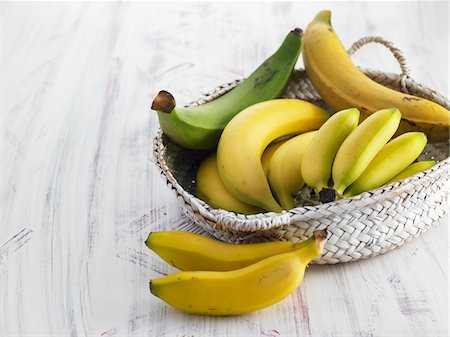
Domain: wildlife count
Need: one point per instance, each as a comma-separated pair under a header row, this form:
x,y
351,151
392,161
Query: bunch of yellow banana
x,y
357,158
237,177
349,157
226,279
341,154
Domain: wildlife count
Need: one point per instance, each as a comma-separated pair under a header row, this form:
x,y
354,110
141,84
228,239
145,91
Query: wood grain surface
x,y
80,193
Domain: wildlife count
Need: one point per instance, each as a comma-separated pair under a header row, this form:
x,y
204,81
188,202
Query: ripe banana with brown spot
x,y
342,85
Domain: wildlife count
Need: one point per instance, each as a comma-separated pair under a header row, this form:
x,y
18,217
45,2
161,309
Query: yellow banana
x,y
394,157
239,291
247,135
342,85
268,153
319,155
413,169
210,188
189,251
284,173
362,145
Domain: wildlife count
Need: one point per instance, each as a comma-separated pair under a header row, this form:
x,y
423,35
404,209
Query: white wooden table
x,y
80,193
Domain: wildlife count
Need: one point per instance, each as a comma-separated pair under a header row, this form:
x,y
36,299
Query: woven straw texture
x,y
363,226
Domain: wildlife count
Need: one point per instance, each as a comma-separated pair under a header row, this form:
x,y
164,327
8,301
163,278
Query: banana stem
x,y
164,102
320,238
327,195
297,31
324,16
313,247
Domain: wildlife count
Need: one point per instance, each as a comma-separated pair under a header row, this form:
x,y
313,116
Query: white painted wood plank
x,y
80,191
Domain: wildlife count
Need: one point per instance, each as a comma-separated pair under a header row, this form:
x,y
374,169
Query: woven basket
x,y
363,226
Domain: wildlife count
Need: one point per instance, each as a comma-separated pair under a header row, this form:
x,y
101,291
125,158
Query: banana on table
x,y
266,273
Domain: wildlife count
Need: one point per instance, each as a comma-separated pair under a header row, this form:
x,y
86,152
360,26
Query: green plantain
x,y
200,127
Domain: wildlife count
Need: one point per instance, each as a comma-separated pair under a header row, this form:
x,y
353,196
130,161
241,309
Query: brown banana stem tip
x,y
164,102
327,195
297,31
320,236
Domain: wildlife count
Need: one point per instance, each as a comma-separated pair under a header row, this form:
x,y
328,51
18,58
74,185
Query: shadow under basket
x,y
363,226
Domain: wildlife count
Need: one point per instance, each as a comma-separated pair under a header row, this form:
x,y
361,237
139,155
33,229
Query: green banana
x,y
393,158
248,289
413,169
199,127
319,155
362,145
189,251
284,173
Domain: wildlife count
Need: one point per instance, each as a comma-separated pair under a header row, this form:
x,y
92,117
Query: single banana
x,y
248,289
342,85
413,169
189,251
393,158
268,154
319,155
199,127
247,135
284,173
210,188
362,145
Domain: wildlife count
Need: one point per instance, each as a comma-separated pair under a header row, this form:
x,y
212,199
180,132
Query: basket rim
x,y
241,222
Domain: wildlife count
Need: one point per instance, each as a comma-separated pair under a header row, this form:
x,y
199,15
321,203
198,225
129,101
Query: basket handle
x,y
398,54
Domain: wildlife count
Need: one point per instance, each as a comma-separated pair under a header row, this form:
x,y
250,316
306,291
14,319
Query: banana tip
x,y
163,102
297,31
147,241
